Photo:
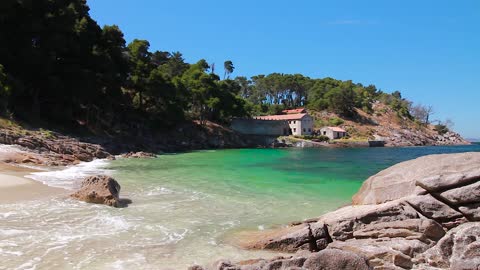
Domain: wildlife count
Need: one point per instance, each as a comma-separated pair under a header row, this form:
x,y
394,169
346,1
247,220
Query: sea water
x,y
185,206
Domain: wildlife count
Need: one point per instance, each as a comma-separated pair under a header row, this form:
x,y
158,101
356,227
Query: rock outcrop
x,y
432,173
101,189
329,259
459,249
417,214
51,149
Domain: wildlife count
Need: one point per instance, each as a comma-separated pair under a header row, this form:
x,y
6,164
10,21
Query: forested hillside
x,y
58,65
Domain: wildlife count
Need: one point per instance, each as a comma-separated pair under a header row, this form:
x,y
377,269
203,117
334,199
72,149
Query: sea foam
x,y
70,177
5,148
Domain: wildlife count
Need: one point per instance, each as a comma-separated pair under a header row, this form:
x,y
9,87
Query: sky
x,y
428,50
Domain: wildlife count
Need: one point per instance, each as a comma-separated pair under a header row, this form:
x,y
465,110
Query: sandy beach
x,y
15,187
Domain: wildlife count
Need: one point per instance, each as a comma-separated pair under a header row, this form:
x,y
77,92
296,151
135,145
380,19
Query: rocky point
x,y
419,214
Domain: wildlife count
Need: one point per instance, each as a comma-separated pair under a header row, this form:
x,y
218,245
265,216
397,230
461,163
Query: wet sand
x,y
14,187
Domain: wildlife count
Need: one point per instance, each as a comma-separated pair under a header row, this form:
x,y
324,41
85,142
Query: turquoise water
x,y
317,180
186,206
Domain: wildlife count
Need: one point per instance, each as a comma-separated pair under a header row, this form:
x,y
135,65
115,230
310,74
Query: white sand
x,y
12,181
14,187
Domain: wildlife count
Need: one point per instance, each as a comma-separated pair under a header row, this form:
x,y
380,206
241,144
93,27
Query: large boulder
x,y
430,173
101,189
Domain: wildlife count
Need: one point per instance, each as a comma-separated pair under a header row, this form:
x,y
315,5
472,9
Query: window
x,y
304,130
309,130
294,122
294,130
324,133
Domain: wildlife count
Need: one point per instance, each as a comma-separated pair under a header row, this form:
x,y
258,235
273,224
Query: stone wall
x,y
260,127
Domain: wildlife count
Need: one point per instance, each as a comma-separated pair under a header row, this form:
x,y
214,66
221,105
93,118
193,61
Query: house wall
x,y
302,127
260,127
332,134
327,132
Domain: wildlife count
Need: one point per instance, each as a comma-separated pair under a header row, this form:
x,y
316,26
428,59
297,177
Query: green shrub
x,y
441,129
335,121
47,133
320,138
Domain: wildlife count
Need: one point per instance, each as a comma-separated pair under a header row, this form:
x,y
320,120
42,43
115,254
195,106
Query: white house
x,y
299,124
333,132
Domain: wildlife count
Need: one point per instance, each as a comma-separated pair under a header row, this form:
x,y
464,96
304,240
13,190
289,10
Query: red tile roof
x,y
337,129
297,116
294,111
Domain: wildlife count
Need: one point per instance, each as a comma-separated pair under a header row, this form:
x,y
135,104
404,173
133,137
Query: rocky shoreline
x,y
48,148
418,214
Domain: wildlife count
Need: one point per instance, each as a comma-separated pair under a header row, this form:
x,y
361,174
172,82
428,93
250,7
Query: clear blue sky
x,y
429,50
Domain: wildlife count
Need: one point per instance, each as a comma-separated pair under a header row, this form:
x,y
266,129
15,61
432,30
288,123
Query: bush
x,y
441,129
314,138
322,138
335,121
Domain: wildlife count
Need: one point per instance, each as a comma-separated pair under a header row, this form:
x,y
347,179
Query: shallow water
x,y
185,205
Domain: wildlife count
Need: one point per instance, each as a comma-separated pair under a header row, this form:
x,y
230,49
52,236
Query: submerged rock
x,y
101,189
139,155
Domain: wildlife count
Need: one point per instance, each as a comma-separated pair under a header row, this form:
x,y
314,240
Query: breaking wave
x,y
70,177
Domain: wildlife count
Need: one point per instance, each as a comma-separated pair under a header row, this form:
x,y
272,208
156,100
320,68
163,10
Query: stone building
x,y
333,132
298,124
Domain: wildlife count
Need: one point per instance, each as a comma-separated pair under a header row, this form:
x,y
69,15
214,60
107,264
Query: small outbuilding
x,y
333,132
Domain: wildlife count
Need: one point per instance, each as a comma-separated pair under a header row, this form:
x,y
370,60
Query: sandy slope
x,y
14,187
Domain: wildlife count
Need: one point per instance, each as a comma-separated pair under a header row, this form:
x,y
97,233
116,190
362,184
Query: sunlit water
x,y
186,205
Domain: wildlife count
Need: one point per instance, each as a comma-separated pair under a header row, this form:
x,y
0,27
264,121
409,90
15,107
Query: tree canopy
x,y
58,64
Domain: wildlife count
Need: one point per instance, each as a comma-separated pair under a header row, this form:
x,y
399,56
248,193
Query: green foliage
x,y
315,138
400,105
341,101
280,89
90,75
335,121
47,133
441,129
229,68
55,58
5,90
